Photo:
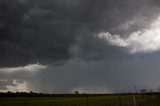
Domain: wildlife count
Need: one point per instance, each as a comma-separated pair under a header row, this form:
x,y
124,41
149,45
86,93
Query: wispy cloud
x,y
28,68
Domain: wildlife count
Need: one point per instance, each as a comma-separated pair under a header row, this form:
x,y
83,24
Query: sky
x,y
89,46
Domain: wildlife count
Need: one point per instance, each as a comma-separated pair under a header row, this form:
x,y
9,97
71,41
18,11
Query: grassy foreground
x,y
108,100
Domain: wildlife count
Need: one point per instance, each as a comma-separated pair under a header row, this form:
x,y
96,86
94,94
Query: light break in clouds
x,y
146,40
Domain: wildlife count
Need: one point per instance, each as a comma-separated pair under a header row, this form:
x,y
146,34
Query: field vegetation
x,y
25,99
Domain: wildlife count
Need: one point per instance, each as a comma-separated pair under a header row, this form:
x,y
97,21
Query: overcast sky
x,y
92,46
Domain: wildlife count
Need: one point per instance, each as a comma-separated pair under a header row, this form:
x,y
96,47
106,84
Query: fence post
x,y
120,102
153,99
87,101
134,100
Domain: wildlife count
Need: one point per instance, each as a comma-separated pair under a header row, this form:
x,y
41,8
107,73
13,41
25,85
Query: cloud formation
x,y
146,40
29,68
53,31
14,87
61,35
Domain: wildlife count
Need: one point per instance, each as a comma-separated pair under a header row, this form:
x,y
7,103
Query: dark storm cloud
x,y
62,34
45,31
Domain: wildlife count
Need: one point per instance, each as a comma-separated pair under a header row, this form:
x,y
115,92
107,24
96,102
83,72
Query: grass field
x,y
112,100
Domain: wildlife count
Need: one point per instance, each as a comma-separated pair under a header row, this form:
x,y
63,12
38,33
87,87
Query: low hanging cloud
x,y
146,40
13,78
28,68
13,85
92,89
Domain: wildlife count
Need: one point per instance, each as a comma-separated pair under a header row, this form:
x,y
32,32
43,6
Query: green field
x,y
112,100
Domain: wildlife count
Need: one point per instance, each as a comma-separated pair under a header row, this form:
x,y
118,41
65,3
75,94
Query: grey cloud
x,y
4,83
115,76
57,32
44,31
